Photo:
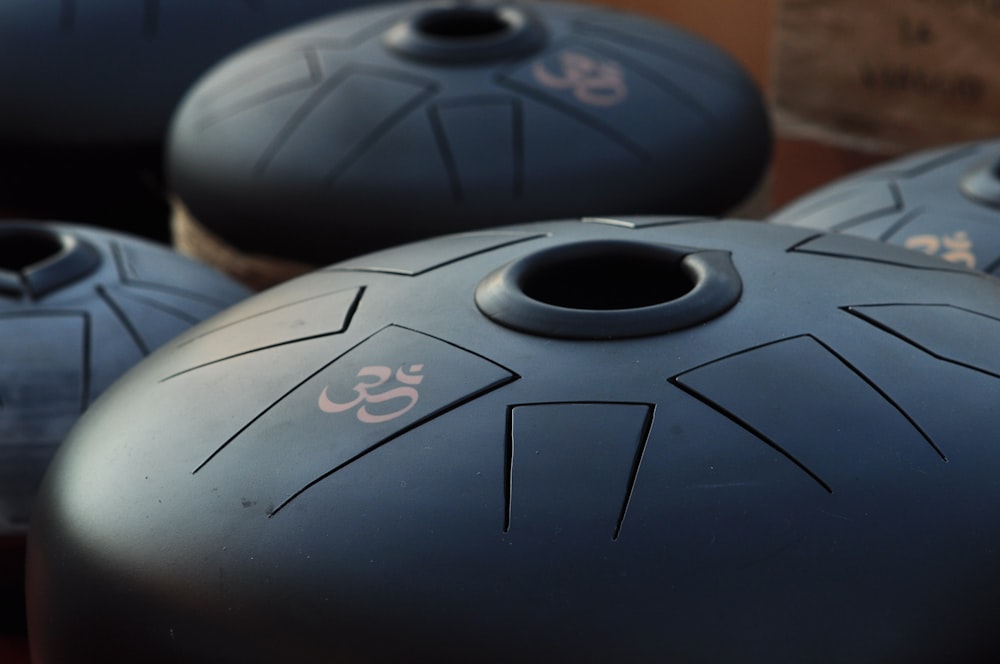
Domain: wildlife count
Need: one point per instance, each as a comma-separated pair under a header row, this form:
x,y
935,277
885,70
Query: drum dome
x,y
628,439
399,122
79,307
944,202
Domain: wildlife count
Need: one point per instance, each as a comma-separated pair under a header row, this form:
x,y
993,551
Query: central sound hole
x,y
608,278
462,23
21,248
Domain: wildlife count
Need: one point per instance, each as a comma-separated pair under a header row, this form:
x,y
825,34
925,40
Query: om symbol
x,y
593,82
955,248
365,395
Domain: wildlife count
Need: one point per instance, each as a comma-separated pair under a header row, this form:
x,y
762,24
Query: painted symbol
x,y
593,82
956,248
366,396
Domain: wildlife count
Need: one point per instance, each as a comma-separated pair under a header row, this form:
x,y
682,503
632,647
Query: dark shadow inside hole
x,y
462,23
616,279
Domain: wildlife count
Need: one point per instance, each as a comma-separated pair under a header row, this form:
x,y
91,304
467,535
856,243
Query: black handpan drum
x,y
88,88
79,307
633,439
944,202
389,124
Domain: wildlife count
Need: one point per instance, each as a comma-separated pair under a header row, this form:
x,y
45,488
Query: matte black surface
x,y
78,307
390,124
359,465
943,202
89,87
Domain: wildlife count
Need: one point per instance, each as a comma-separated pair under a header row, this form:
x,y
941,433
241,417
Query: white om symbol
x,y
955,248
381,375
592,82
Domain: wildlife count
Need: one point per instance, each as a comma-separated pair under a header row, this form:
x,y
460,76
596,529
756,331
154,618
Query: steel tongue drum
x,y
385,125
944,202
628,439
78,308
